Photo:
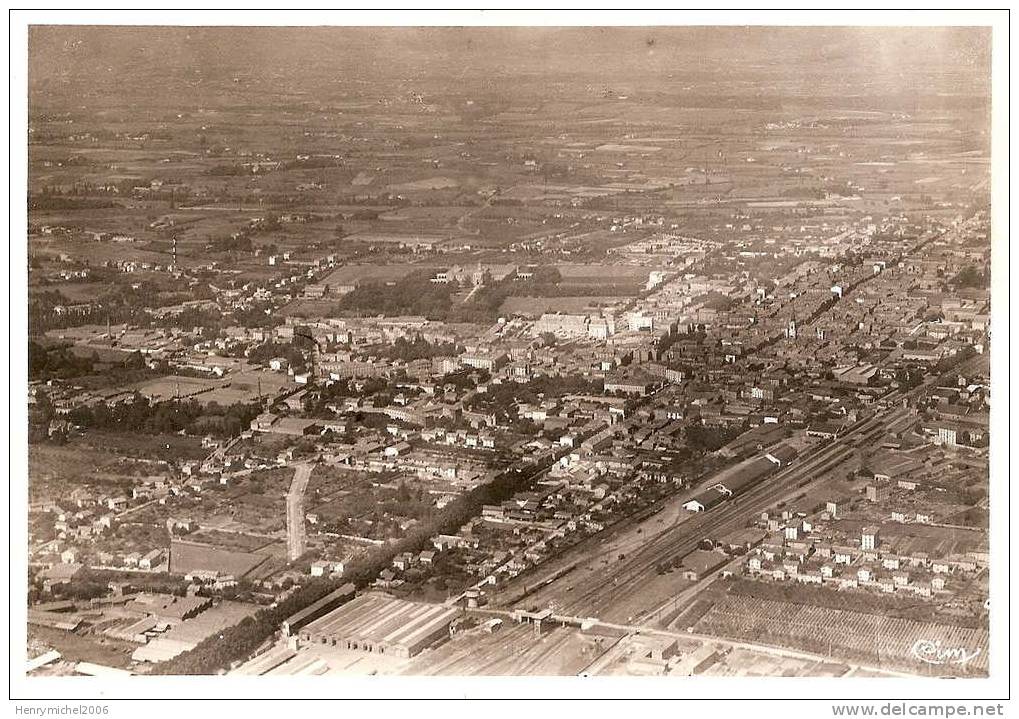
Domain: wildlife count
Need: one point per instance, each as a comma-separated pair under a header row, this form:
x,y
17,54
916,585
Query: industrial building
x,y
381,624
335,598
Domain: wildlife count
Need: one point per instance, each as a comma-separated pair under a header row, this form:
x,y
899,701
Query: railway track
x,y
605,590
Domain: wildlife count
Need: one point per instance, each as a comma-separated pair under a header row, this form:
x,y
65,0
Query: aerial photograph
x,y
657,351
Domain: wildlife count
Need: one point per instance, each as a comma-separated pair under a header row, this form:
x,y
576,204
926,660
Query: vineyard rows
x,y
867,638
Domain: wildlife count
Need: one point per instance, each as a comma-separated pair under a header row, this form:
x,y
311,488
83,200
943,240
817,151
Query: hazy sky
x,y
68,50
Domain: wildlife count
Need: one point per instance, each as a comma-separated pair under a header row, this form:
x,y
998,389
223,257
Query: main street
x,y
295,510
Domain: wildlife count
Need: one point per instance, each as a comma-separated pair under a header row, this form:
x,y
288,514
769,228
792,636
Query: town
x,y
354,373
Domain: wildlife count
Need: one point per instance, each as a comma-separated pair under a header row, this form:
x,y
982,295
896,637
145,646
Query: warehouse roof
x,y
382,619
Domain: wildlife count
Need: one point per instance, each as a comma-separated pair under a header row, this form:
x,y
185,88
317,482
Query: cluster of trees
x,y
415,294
417,348
378,512
232,244
970,276
501,397
45,363
261,354
256,316
326,393
61,362
208,320
804,192
40,203
710,439
141,415
909,377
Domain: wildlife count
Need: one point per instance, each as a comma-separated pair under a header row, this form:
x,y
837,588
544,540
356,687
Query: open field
x,y
869,638
245,386
234,541
189,557
536,306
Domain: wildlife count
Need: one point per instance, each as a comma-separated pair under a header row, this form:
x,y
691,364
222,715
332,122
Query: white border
x,y
822,690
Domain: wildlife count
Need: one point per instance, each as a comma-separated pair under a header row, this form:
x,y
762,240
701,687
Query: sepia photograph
x,y
481,349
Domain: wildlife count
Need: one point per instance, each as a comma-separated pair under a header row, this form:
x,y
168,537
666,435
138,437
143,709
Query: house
x,y
151,560
403,561
59,574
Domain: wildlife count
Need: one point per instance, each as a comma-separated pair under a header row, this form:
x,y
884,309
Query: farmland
x,y
853,636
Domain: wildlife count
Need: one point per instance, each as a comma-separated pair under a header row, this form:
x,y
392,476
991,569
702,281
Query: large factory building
x,y
381,624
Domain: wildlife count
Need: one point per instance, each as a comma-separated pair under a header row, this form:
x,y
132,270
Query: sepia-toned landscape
x,y
645,351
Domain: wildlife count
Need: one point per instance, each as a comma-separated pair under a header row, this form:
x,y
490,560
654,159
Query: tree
x,y
135,361
969,276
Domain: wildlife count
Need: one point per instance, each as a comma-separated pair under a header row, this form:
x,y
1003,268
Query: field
x,y
745,663
536,306
74,291
369,273
161,447
428,183
173,387
598,273
234,541
852,636
244,386
186,557
103,459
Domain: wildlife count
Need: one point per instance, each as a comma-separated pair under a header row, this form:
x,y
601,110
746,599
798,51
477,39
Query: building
x,y
877,493
381,624
629,387
869,538
703,501
297,621
151,560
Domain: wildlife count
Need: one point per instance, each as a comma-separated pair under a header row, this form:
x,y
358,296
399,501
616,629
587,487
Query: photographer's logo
x,y
932,652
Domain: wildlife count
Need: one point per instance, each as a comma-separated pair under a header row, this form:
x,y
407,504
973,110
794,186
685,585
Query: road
x,y
295,510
